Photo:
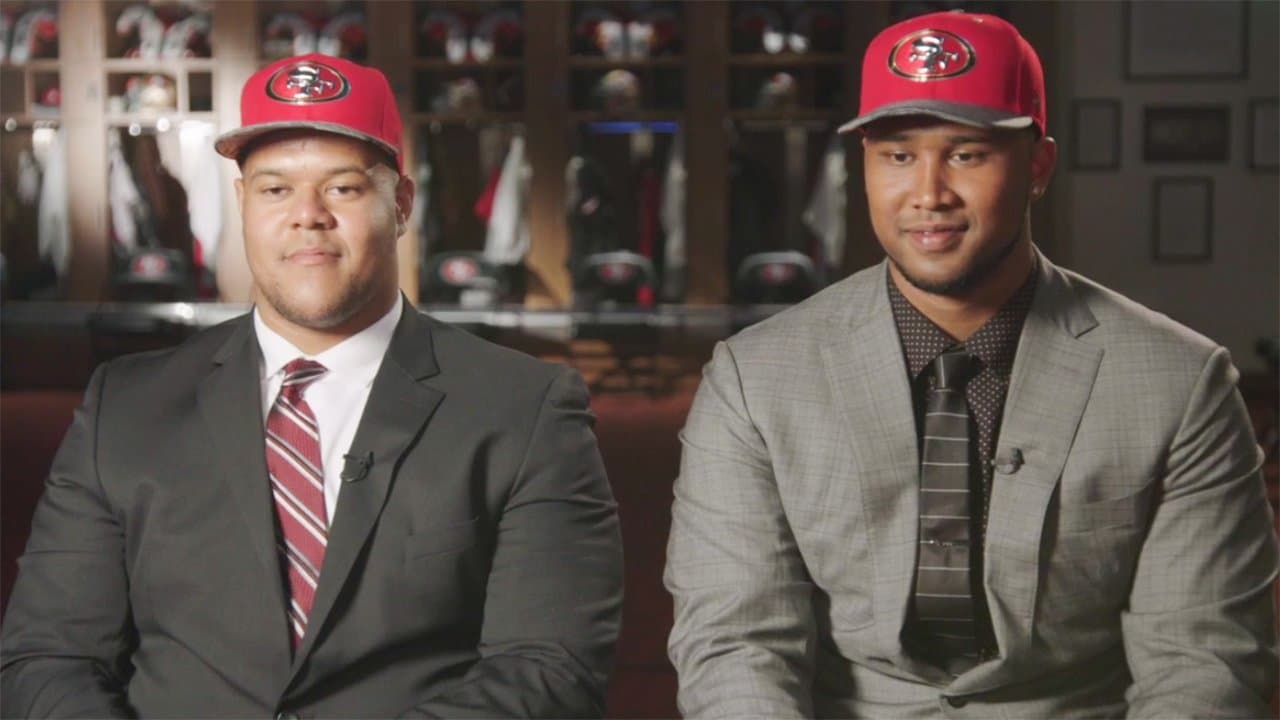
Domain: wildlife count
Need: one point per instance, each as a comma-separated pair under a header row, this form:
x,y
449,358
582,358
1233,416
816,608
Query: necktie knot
x,y
299,373
954,367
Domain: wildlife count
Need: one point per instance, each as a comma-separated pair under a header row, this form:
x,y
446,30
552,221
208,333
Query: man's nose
x,y
933,186
310,210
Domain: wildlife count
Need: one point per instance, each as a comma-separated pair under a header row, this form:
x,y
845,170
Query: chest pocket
x,y
440,540
1111,513
1095,552
442,567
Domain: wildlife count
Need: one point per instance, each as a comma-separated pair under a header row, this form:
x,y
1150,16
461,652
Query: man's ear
x,y
1044,158
240,193
404,203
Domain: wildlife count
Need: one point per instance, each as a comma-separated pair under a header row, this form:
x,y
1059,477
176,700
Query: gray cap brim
x,y
232,142
974,115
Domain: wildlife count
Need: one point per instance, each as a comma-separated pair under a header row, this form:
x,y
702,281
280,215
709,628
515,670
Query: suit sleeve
x,y
744,637
68,631
554,595
1200,632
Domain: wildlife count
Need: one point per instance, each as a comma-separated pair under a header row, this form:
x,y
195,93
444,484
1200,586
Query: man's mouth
x,y
933,237
311,256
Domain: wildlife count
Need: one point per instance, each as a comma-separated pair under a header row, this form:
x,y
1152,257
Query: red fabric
x,y
320,92
641,451
484,203
964,58
650,206
650,203
642,693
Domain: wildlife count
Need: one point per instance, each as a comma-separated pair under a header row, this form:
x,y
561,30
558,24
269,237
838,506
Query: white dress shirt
x,y
339,396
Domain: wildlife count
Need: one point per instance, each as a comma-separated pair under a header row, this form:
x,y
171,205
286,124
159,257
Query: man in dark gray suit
x,y
968,483
334,506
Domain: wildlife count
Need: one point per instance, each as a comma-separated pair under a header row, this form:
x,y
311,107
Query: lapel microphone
x,y
1008,463
355,466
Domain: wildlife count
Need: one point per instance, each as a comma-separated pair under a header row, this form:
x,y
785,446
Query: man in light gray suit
x,y
967,482
333,506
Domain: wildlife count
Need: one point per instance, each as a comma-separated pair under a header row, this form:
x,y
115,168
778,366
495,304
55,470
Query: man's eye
x,y
344,190
274,190
968,157
898,157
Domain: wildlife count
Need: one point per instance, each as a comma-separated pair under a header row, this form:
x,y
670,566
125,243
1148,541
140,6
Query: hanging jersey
x,y
199,173
53,231
824,214
123,197
507,236
673,221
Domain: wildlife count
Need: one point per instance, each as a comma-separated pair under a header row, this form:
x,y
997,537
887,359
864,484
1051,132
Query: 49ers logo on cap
x,y
307,82
931,55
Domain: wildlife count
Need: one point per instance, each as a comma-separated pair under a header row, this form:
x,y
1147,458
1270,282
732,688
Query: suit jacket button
x,y
957,702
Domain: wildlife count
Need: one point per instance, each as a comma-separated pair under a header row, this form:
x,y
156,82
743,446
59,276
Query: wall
x,y
1103,219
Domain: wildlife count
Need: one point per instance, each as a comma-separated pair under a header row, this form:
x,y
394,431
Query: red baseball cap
x,y
317,92
967,68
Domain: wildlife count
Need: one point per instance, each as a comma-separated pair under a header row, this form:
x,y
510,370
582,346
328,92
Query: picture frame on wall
x,y
1186,39
1182,219
1264,134
1186,133
1095,134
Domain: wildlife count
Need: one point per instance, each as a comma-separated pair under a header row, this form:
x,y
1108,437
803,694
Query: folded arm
x,y
1200,631
743,640
554,596
68,630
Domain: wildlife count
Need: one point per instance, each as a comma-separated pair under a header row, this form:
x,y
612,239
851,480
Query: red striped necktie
x,y
297,484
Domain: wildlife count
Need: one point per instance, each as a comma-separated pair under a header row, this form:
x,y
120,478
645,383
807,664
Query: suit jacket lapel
x,y
865,365
398,409
1052,380
230,401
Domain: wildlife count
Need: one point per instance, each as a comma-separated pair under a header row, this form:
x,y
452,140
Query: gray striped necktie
x,y
944,595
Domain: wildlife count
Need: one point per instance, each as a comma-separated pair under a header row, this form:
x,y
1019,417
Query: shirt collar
x,y
360,353
995,343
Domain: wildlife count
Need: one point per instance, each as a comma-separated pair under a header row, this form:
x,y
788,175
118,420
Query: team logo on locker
x,y
459,271
307,82
931,55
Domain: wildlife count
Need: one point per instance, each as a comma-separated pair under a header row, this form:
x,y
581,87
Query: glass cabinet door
x,y
35,247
